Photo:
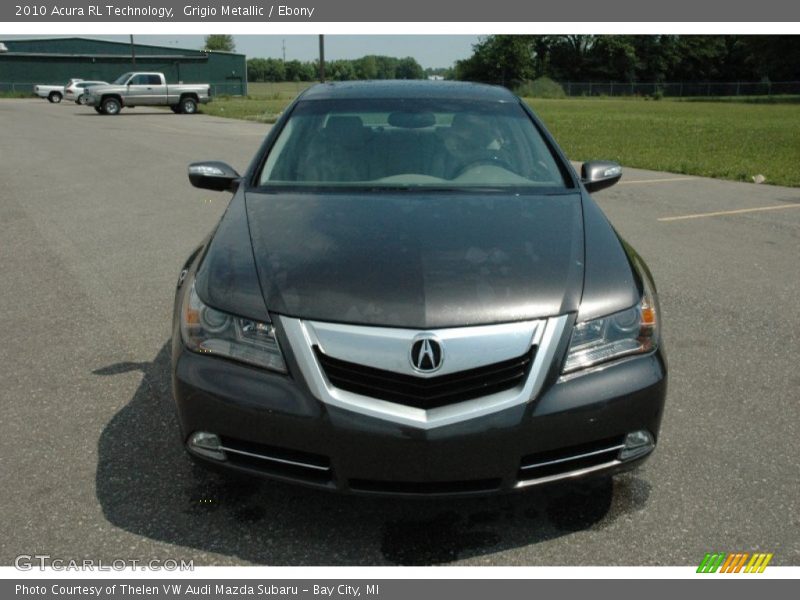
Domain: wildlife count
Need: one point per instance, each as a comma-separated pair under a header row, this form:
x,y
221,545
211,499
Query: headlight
x,y
210,331
631,331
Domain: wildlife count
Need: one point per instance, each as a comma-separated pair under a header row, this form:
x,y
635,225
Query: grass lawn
x,y
250,108
264,102
283,89
728,140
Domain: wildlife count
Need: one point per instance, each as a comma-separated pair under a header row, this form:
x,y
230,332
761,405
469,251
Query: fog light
x,y
637,443
207,444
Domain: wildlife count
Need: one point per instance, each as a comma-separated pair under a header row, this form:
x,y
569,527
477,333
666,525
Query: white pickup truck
x,y
147,89
54,93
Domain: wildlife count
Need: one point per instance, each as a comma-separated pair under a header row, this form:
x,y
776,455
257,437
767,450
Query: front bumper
x,y
271,425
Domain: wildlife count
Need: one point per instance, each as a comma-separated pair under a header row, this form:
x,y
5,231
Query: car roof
x,y
412,88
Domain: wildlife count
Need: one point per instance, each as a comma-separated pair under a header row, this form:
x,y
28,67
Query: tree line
x,y
366,67
508,59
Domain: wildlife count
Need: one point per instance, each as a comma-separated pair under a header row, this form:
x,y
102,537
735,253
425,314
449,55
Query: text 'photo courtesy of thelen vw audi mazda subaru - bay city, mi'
x,y
412,292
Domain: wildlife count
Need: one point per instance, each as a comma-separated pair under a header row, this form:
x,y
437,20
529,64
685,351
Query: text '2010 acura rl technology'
x,y
412,292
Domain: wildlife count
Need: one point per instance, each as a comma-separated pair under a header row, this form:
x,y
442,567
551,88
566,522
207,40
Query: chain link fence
x,y
16,88
682,89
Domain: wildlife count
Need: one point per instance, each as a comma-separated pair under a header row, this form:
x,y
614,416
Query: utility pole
x,y
322,58
283,43
133,54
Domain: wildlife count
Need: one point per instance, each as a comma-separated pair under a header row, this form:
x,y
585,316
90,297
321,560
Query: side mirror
x,y
597,175
214,175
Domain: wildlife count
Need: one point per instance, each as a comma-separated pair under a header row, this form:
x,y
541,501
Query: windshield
x,y
122,78
401,143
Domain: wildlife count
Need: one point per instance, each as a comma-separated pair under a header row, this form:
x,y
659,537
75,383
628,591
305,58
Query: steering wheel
x,y
492,160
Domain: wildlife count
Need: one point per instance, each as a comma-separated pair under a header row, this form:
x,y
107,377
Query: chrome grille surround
x,y
388,348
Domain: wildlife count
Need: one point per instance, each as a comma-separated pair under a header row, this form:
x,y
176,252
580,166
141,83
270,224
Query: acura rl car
x,y
412,292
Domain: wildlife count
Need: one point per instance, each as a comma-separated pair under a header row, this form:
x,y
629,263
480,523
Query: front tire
x,y
188,106
111,106
54,97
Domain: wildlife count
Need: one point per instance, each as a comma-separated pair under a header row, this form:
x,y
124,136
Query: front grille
x,y
475,486
421,392
566,460
278,462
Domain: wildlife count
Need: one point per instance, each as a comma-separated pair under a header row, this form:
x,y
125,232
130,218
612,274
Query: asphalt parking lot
x,y
96,217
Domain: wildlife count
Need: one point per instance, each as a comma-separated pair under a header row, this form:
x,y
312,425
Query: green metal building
x,y
54,61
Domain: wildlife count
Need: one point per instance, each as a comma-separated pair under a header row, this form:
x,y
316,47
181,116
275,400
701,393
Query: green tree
x,y
274,70
700,57
656,57
366,67
341,70
613,57
256,67
504,59
299,71
408,68
508,59
569,57
771,57
223,43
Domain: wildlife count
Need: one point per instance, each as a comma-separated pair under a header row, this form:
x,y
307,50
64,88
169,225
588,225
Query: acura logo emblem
x,y
426,355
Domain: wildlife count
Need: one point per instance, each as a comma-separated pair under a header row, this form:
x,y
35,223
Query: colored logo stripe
x,y
734,562
711,562
758,563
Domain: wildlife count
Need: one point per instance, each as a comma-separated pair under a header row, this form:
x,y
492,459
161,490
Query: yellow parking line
x,y
729,212
623,182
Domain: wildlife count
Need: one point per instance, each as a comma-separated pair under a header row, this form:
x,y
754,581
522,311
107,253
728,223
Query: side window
x,y
138,80
154,80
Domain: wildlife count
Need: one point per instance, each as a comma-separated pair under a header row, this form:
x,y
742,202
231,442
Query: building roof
x,y
67,45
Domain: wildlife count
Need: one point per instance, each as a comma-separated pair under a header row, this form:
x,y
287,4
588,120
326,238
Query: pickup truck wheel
x,y
176,108
54,97
188,106
111,106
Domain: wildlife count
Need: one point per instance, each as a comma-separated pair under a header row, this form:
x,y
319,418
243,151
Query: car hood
x,y
418,260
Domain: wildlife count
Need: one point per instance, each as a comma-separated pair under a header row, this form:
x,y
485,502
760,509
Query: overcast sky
x,y
429,50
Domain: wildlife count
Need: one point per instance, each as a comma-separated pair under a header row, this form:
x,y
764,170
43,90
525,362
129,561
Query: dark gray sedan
x,y
412,292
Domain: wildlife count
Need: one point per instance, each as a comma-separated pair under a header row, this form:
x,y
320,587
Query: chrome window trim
x,y
544,333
